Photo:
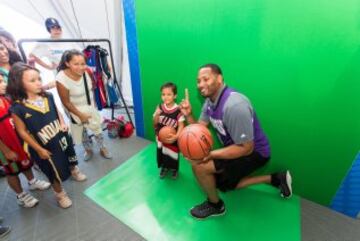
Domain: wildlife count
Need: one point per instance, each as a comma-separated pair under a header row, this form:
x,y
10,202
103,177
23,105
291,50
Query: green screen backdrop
x,y
298,62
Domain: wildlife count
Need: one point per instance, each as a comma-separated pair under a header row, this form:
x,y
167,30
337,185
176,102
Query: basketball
x,y
195,142
165,132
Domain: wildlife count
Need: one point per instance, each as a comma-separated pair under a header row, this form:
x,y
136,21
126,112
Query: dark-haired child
x,y
14,159
39,124
168,114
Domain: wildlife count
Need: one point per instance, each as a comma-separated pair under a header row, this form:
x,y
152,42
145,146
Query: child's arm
x,y
173,138
63,125
24,134
65,99
8,153
180,128
156,116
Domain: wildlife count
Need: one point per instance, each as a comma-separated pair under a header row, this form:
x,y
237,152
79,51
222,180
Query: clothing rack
x,y
22,52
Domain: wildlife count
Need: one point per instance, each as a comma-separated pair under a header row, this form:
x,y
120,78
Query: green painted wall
x,y
298,61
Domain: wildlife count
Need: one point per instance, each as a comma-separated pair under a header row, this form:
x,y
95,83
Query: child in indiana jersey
x,y
168,114
14,159
39,124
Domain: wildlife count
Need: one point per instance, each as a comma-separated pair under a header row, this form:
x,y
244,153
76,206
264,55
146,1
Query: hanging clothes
x,y
96,59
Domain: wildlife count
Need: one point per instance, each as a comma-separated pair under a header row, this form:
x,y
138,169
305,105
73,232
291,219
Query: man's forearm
x,y
232,151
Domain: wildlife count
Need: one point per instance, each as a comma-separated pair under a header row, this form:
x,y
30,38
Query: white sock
x,y
32,181
19,194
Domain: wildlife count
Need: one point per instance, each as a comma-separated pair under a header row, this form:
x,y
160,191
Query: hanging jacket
x,y
92,54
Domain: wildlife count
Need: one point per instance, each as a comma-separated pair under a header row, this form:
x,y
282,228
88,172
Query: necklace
x,y
39,102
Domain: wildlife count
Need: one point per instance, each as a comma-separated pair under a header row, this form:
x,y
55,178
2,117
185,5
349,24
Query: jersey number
x,y
63,143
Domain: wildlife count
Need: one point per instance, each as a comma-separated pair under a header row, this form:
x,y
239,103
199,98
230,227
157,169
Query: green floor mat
x,y
159,209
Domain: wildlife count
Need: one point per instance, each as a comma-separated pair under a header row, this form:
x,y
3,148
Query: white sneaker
x,y
39,185
36,167
26,200
78,175
63,199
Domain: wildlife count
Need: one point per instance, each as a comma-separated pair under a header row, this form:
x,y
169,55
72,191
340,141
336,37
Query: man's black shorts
x,y
231,171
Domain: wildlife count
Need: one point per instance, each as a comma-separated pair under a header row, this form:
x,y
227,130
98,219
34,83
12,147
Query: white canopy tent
x,y
87,19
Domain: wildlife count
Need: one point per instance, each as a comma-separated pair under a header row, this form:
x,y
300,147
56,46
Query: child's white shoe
x,y
26,200
39,185
77,174
63,199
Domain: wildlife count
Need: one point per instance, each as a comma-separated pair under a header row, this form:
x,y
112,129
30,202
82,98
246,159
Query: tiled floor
x,y
84,220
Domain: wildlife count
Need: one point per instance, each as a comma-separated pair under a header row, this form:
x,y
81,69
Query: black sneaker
x,y
4,230
163,172
207,209
285,184
174,174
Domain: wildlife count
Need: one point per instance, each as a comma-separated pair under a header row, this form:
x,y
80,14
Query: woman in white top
x,y
70,83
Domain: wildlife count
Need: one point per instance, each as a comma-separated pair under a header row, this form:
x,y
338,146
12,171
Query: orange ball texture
x,y
195,142
165,133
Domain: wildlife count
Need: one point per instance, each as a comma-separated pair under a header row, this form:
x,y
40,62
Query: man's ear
x,y
219,78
